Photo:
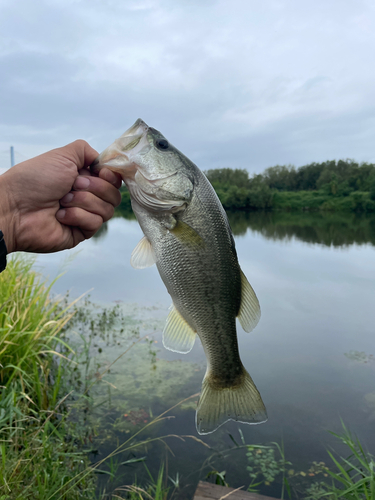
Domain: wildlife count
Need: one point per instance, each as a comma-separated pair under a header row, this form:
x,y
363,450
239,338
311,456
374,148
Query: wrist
x,y
6,215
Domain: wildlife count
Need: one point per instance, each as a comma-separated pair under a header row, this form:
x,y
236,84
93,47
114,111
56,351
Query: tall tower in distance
x,y
12,156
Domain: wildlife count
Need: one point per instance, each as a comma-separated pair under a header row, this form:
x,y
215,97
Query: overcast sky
x,y
234,83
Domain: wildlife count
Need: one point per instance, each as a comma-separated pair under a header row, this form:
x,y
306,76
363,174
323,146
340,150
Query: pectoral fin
x,y
188,236
178,336
143,255
249,313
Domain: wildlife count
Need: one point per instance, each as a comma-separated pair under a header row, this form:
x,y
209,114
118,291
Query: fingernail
x,y
82,182
60,214
67,198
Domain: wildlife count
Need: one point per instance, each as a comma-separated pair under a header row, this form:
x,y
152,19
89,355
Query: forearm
x,y
7,213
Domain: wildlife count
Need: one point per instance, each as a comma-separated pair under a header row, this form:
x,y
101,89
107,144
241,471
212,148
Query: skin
x,y
53,202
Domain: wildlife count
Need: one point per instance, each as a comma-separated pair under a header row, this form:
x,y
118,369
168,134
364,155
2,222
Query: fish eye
x,y
162,144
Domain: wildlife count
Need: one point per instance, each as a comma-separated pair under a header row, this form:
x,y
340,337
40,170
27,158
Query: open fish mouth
x,y
118,155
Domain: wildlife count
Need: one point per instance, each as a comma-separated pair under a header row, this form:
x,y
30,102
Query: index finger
x,y
80,152
110,176
106,174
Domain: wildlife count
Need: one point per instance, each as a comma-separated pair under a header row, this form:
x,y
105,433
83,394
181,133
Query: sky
x,y
231,83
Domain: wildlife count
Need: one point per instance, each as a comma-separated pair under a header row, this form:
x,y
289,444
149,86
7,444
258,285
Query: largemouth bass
x,y
187,235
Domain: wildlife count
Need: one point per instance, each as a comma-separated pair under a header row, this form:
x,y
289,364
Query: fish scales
x,y
187,235
207,278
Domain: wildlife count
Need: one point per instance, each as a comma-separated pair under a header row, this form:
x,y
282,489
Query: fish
x,y
188,236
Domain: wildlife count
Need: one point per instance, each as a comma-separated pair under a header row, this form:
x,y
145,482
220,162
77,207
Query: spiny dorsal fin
x,y
143,255
187,236
249,313
178,336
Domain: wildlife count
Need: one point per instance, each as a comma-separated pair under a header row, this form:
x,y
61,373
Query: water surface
x,y
309,356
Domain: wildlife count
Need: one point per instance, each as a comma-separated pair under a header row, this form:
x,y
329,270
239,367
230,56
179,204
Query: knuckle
x,y
109,213
118,200
80,143
72,215
97,222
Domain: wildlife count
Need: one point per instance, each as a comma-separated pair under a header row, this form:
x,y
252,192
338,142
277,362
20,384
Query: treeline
x,y
342,185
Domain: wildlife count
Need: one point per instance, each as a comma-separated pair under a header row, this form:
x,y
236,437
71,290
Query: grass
x,y
30,323
155,489
353,477
38,454
350,477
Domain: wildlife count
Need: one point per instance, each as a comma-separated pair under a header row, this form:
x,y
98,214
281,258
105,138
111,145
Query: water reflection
x,y
338,229
101,234
329,229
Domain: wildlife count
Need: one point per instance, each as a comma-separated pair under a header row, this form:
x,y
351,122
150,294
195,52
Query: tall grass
x,y
30,323
353,477
37,456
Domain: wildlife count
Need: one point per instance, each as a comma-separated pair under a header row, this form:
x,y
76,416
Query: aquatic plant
x,y
264,467
354,477
219,477
155,489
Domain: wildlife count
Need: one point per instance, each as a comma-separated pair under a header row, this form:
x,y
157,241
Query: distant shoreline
x,y
284,201
331,186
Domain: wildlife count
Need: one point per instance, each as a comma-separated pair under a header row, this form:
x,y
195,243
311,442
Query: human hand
x,y
52,202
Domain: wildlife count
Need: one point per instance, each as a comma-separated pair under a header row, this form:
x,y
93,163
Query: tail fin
x,y
216,406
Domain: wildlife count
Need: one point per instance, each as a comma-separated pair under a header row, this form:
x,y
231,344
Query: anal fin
x,y
178,336
249,313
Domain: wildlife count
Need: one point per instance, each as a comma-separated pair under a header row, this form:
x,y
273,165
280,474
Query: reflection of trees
x,y
335,229
102,232
326,229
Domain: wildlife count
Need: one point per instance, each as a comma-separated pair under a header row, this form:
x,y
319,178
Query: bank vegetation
x,y
331,186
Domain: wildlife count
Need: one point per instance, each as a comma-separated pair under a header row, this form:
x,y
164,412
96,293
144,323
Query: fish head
x,y
140,148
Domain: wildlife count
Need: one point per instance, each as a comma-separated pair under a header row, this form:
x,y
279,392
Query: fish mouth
x,y
117,156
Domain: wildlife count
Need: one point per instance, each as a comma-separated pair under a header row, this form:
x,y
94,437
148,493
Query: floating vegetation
x,y
360,356
263,464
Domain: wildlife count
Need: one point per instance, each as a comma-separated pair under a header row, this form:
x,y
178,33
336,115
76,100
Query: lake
x,y
311,355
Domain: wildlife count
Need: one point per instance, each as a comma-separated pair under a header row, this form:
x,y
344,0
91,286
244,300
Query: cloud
x,y
248,86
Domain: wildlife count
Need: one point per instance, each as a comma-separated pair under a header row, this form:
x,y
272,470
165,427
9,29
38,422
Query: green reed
x,y
30,323
37,453
353,477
